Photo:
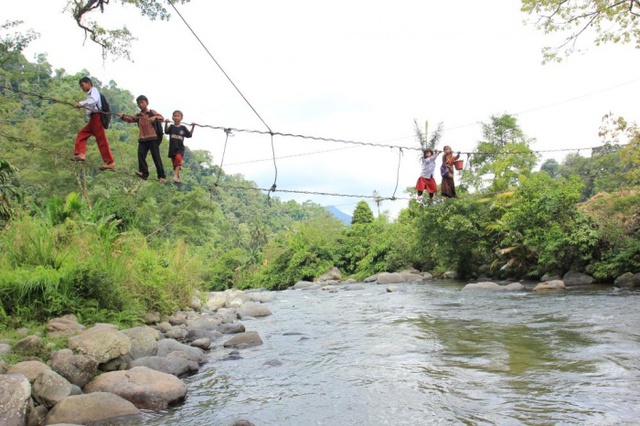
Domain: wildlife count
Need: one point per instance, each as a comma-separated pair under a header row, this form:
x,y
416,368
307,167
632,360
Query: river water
x,y
427,354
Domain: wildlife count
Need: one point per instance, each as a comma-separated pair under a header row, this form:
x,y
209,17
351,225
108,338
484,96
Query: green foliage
x,y
502,158
611,22
10,194
114,41
362,214
302,254
546,228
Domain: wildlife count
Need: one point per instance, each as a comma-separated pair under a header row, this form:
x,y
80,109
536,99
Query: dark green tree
x,y
362,214
502,157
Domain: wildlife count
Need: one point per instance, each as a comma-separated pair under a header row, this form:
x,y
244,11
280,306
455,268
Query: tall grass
x,y
87,266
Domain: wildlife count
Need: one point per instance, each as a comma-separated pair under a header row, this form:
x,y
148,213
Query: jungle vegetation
x,y
110,247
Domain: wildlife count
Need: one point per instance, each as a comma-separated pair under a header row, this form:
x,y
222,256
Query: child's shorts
x,y
428,184
177,160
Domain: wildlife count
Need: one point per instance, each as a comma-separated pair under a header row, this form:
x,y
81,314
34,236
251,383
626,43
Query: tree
x,y
551,167
423,138
612,21
503,156
115,41
9,193
362,214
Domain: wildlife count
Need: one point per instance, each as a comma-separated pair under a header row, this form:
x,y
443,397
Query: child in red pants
x,y
177,132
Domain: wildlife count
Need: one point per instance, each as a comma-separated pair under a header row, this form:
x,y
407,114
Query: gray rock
x,y
49,388
332,274
572,279
304,285
244,340
194,335
30,369
15,394
491,286
627,280
203,343
168,346
353,287
95,408
252,309
390,278
175,366
30,345
176,332
549,286
142,386
549,277
102,342
66,325
36,414
4,349
371,279
77,369
144,341
231,328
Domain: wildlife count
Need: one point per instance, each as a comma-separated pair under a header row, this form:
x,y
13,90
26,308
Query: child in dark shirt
x,y
177,132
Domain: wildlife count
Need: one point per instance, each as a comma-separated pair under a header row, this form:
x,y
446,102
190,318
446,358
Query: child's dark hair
x,y
178,112
142,98
85,80
424,152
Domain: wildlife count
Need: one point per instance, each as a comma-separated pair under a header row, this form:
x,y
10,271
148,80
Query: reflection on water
x,y
429,354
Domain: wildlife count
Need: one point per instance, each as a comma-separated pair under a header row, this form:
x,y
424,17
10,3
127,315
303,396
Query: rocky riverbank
x,y
106,375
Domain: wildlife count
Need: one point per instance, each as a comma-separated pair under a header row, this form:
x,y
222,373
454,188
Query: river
x,y
427,354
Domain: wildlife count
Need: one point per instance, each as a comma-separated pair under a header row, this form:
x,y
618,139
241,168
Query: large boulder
x,y
244,340
30,345
549,286
573,279
30,369
252,309
491,286
144,341
332,274
305,285
167,347
102,342
142,386
627,280
66,325
78,369
15,393
176,366
101,408
49,388
390,278
411,274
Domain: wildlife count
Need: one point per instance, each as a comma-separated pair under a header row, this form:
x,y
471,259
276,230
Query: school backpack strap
x,y
105,112
157,124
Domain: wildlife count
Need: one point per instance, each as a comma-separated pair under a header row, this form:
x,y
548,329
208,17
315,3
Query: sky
x,y
350,70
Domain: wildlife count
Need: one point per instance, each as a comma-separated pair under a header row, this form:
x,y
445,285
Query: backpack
x,y
157,124
105,115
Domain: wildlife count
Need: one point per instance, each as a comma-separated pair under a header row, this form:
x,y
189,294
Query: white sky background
x,y
350,69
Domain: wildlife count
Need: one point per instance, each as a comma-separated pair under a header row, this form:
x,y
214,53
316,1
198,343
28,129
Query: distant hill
x,y
345,218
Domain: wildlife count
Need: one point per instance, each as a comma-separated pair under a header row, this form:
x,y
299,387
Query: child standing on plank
x,y
148,140
426,180
94,127
448,187
177,132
